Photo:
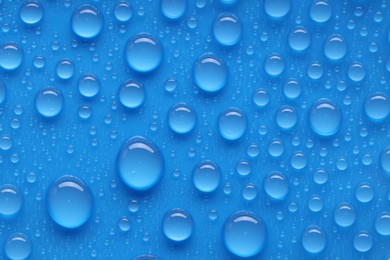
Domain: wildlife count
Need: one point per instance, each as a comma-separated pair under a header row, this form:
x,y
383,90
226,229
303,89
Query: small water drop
x,y
123,11
313,239
11,201
124,224
11,56
249,192
356,72
325,118
87,21
382,224
182,118
65,69
173,9
31,12
292,89
277,9
131,94
364,192
286,117
299,39
261,98
210,73
206,176
49,102
320,11
363,241
276,186
274,64
89,85
18,246
344,215
227,29
232,124
335,47
177,225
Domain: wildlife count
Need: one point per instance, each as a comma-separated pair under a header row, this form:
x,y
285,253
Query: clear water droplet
x,y
49,102
377,107
206,176
89,85
131,94
5,142
363,241
276,148
276,186
85,112
243,168
65,69
11,56
298,160
299,39
325,118
182,118
321,11
39,62
124,224
335,47
261,97
170,85
382,224
315,203
11,201
356,72
123,11
232,124
18,246
227,29
313,239
210,73
364,192
277,9
274,64
87,21
344,215
249,192
177,225
286,117
31,12
315,70
292,89
173,9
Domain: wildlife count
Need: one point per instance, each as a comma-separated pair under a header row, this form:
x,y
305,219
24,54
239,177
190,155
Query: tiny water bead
x,y
344,215
325,118
140,163
382,224
123,11
356,72
321,11
276,148
11,201
292,89
286,117
210,73
227,29
277,9
276,186
377,107
244,234
364,192
87,21
206,176
69,202
11,56
261,97
182,118
313,239
18,246
363,241
232,124
49,102
143,53
299,39
65,69
177,225
335,47
89,85
124,224
31,12
173,9
131,94
274,64
385,161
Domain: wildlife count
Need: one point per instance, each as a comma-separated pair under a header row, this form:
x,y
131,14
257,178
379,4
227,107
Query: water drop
x,y
85,112
335,47
244,234
315,70
320,11
325,118
364,192
140,163
123,11
243,168
277,9
49,102
274,65
313,239
31,12
315,203
227,29
292,89
261,97
170,85
210,73
299,39
206,176
363,241
89,85
286,117
276,148
249,192
87,21
133,206
182,118
11,201
177,225
11,56
173,9
276,186
356,72
232,124
5,142
124,224
131,94
298,160
39,62
382,224
320,176
65,69
344,215
377,107
18,246
69,202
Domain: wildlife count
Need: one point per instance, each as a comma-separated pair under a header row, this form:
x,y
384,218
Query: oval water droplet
x,y
344,215
356,72
49,102
232,124
325,118
377,107
177,225
261,97
276,186
335,47
206,176
315,203
276,148
210,73
227,29
11,56
249,192
363,241
320,11
292,89
382,224
87,21
18,246
182,118
123,11
313,239
277,9
131,94
274,64
89,85
299,39
11,201
364,192
31,12
173,9
65,69
124,224
286,117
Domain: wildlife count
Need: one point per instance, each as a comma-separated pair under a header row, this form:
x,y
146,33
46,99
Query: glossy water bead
x,y
232,124
286,117
131,94
320,11
11,56
356,72
177,225
274,64
18,246
344,215
11,201
277,9
325,118
140,163
49,102
261,98
143,53
313,239
364,192
206,176
244,234
173,9
87,21
182,118
123,11
299,39
363,241
31,12
69,202
210,73
292,89
377,107
385,161
65,69
335,47
382,224
89,85
227,29
276,186
276,148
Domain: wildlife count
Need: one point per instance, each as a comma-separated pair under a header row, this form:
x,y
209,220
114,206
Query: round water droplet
x,y
210,73
11,201
131,94
325,118
320,176
274,64
87,21
140,163
173,9
320,11
123,11
292,89
227,29
243,168
232,124
206,176
364,192
11,56
363,241
170,85
39,62
277,9
298,160
65,69
49,102
315,203
69,202
377,107
182,118
85,112
177,225
356,72
344,215
299,39
18,246
286,117
276,148
276,186
315,70
335,47
89,85
124,224
313,239
244,234
5,143
385,161
144,53
382,224
249,192
261,97
31,12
